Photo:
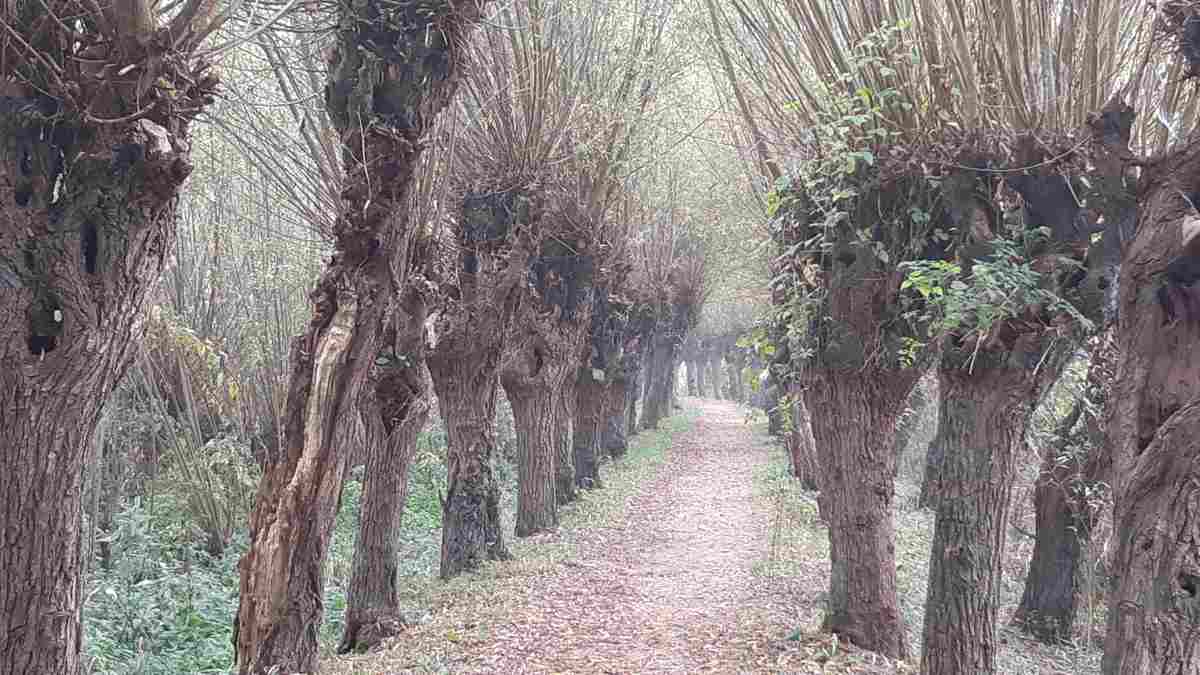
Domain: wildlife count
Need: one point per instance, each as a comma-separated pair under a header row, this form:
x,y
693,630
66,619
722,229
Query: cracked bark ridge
x,y
395,66
1153,431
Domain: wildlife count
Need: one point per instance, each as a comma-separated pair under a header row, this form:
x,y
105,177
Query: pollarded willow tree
x,y
904,226
1152,416
95,106
547,123
392,69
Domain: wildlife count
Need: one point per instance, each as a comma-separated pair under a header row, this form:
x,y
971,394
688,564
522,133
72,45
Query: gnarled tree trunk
x,y
1153,430
612,432
282,574
987,400
466,384
87,196
660,363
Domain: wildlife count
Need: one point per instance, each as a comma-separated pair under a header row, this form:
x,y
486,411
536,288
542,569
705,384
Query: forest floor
x,y
700,555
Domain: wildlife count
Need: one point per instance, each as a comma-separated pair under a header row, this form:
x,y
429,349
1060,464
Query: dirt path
x,y
669,590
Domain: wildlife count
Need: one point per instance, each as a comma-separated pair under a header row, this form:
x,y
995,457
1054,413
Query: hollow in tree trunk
x,y
988,396
87,214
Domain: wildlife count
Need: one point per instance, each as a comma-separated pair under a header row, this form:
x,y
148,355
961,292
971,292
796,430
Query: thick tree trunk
x,y
395,409
466,387
537,447
1074,469
282,574
983,415
564,442
612,433
854,429
701,382
86,217
693,378
589,410
1154,605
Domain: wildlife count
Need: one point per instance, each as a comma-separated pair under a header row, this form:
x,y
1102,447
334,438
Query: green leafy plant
x,y
1000,287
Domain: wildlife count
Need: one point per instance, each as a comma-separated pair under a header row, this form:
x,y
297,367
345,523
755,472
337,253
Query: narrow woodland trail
x,y
670,589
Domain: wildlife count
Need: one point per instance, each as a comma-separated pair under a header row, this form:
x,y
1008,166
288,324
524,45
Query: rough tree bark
x,y
589,410
564,442
801,447
1073,471
394,404
399,85
612,433
540,358
465,381
856,456
1153,425
90,169
988,396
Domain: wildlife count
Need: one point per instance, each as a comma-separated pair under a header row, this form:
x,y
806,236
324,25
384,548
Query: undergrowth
x,y
166,607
